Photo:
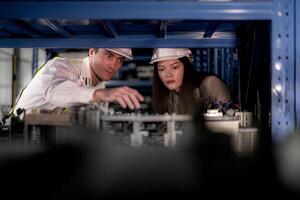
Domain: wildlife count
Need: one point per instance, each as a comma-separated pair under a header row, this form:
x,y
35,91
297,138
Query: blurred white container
x,y
247,141
226,125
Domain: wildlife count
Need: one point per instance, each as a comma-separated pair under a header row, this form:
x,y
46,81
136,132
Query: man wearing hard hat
x,y
64,82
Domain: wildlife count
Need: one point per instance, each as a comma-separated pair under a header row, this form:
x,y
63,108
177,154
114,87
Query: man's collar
x,y
85,68
90,70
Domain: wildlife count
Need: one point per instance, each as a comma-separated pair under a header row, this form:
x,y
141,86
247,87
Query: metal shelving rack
x,y
49,24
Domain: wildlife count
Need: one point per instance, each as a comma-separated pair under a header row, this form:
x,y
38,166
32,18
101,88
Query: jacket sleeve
x,y
216,90
62,85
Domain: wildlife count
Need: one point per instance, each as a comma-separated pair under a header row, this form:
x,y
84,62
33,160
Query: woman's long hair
x,y
160,94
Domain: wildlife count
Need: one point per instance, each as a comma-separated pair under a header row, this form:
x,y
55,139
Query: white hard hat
x,y
126,52
161,54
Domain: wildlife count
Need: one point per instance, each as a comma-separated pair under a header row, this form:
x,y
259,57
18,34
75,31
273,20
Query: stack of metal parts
x,y
244,137
247,141
248,137
145,130
134,129
137,129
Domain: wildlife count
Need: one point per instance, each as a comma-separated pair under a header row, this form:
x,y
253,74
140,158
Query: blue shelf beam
x,y
163,29
212,27
297,77
110,10
59,29
216,63
283,70
119,42
4,33
109,29
25,27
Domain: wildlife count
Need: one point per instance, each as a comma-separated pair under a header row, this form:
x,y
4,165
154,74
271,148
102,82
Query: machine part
x,y
81,116
93,119
247,141
170,136
139,126
213,113
1,117
245,118
136,138
63,119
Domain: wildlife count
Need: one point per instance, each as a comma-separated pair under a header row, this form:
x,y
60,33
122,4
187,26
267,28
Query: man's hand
x,y
125,96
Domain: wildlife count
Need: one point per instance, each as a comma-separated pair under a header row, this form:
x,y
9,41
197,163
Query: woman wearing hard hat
x,y
178,88
64,82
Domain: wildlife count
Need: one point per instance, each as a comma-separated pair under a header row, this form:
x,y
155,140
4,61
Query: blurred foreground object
x,y
288,157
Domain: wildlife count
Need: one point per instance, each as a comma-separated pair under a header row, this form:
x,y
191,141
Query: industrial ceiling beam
x,y
110,10
25,27
163,29
4,33
120,42
109,29
54,25
211,28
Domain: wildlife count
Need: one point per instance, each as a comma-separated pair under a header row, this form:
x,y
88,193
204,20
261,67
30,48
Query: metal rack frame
x,y
285,56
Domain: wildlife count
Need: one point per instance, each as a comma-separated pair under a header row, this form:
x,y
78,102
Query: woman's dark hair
x,y
160,94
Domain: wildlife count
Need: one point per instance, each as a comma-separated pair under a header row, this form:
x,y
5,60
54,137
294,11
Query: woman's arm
x,y
216,89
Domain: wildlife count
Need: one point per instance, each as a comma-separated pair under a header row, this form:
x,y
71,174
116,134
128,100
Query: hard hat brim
x,y
121,54
166,58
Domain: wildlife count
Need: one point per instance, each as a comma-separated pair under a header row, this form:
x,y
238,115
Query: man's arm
x,y
62,86
65,89
125,96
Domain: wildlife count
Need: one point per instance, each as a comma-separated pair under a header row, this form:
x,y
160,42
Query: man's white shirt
x,y
61,83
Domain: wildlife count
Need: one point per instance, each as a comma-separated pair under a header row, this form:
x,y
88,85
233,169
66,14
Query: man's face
x,y
105,63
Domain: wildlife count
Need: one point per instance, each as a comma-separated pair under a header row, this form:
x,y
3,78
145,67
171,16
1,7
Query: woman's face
x,y
171,73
